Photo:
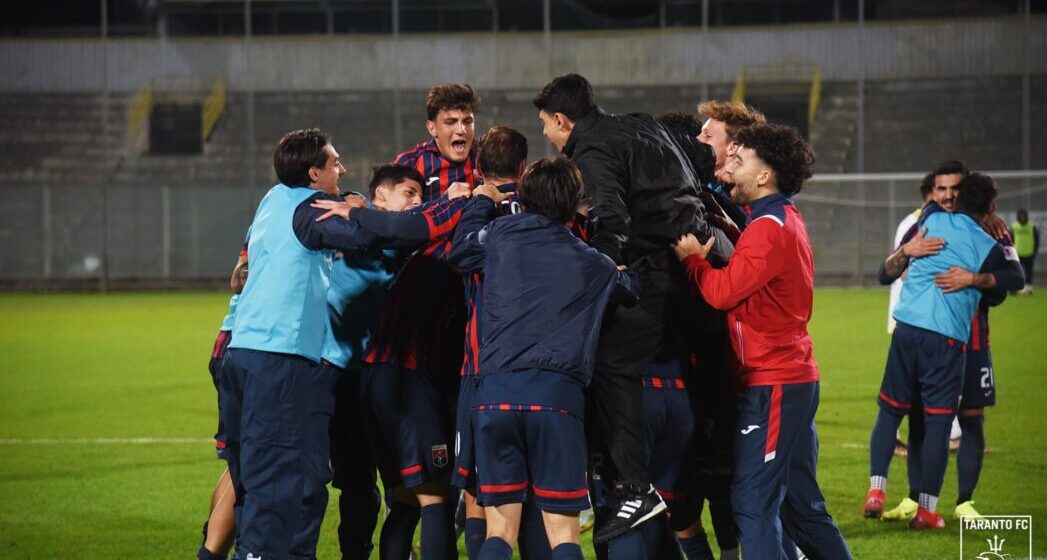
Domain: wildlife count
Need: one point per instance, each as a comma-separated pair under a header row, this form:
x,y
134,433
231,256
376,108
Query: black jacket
x,y
641,185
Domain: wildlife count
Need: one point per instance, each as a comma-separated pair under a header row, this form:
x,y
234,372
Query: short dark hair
x,y
927,185
784,150
681,123
551,187
501,151
569,94
951,167
977,193
393,173
451,97
297,152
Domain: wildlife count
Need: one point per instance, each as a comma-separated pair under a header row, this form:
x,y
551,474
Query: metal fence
x,y
159,235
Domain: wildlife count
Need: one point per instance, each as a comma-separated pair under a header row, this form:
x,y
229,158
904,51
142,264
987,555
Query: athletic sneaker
x,y
903,512
636,507
586,520
874,503
966,509
925,519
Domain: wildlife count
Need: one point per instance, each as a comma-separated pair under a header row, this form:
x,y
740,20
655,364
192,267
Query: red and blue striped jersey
x,y
437,171
980,324
422,321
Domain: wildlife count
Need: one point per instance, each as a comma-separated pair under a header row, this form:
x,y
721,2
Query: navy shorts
x,y
412,425
925,367
464,475
670,435
215,367
979,384
542,449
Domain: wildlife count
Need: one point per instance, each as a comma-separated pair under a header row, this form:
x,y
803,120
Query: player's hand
x,y
336,208
490,192
725,175
458,189
920,246
994,226
954,279
688,245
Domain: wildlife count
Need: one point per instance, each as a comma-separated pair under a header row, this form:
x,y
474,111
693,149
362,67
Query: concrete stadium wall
x,y
894,50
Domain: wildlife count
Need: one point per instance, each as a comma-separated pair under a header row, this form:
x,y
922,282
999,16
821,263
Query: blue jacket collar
x,y
773,205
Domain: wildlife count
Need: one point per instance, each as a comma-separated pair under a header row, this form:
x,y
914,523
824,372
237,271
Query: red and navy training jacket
x,y
767,290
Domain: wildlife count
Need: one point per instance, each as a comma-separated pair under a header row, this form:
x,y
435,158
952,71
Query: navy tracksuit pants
x,y
775,486
277,410
354,469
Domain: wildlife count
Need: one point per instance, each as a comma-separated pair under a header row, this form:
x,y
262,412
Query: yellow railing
x,y
138,111
213,108
814,99
738,94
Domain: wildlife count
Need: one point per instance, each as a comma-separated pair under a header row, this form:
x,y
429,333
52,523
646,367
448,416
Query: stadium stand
x,y
60,138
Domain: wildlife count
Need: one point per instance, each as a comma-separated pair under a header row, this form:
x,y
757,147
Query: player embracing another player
x,y
767,289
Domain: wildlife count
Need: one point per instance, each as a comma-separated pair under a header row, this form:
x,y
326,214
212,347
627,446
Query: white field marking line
x,y
102,441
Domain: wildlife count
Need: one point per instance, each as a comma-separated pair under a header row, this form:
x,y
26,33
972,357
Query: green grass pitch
x,y
78,369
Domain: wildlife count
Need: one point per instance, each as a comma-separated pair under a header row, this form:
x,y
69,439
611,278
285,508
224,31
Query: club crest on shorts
x,y
439,453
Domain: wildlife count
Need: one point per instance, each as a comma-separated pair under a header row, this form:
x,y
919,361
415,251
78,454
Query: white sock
x,y
929,502
956,431
878,483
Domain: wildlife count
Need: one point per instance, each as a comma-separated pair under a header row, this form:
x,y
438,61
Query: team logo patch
x,y
439,453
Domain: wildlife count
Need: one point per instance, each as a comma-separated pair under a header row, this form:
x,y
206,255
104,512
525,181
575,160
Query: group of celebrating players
x,y
621,327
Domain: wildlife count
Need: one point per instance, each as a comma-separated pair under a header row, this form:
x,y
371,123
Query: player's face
x,y
749,173
714,133
404,195
556,128
453,130
946,187
326,178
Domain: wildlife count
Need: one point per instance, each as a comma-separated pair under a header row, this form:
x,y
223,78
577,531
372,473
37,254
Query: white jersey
x,y
896,286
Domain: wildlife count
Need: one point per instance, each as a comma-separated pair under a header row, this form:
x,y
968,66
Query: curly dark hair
x,y
784,150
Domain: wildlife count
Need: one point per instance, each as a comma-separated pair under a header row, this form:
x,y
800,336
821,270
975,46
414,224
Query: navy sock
x,y
475,533
437,533
970,456
534,544
627,546
881,444
495,548
204,554
935,454
914,457
697,547
398,531
567,551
